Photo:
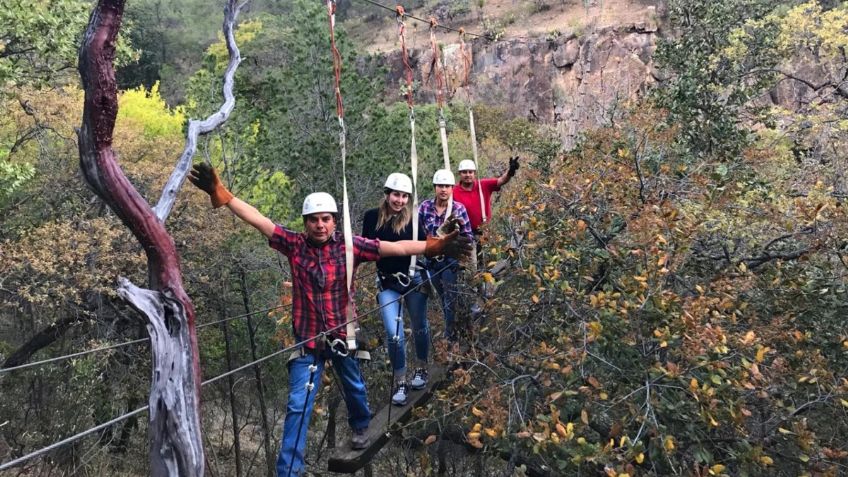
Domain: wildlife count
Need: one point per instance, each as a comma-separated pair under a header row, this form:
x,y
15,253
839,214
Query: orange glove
x,y
453,245
204,177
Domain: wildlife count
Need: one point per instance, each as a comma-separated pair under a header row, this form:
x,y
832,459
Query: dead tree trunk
x,y
176,445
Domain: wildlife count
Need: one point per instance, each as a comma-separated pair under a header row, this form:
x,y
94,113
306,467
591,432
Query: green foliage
x,y
147,111
13,177
665,316
39,40
711,82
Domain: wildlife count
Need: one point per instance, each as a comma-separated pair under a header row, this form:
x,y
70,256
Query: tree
x,y
175,438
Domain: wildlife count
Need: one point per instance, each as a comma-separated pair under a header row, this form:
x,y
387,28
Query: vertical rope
x,y
436,65
348,232
413,151
466,61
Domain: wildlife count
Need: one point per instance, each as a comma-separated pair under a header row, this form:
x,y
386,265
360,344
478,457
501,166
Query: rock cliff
x,y
571,80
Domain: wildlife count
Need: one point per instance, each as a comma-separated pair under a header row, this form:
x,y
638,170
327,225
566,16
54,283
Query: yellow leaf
x,y
693,384
783,431
761,354
473,435
581,440
766,460
844,402
640,458
584,416
477,412
429,440
669,443
534,299
560,429
749,338
477,427
490,432
716,469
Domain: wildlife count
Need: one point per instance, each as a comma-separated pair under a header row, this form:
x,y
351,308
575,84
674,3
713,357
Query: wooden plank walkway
x,y
347,461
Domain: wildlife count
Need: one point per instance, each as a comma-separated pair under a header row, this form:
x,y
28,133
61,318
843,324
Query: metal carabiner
x,y
403,279
338,347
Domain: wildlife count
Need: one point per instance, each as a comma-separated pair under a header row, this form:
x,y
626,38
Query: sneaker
x,y
419,379
359,440
399,398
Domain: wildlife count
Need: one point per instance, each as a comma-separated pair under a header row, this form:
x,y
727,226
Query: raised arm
x,y
250,215
204,177
507,176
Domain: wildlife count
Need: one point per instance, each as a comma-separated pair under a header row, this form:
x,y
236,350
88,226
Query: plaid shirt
x,y
319,283
432,220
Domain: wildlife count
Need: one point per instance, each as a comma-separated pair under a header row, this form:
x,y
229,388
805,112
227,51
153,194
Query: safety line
x,y
44,450
126,343
420,19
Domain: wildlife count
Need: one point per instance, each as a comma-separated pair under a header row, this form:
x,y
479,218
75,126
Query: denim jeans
x,y
299,408
392,313
443,275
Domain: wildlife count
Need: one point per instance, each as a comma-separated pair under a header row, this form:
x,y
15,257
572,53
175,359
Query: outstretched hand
x,y
206,179
452,245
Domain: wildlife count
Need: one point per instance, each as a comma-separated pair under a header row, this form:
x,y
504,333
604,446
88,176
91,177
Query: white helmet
x,y
399,182
443,177
467,165
319,202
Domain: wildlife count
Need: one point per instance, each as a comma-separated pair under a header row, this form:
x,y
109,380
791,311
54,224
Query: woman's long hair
x,y
398,221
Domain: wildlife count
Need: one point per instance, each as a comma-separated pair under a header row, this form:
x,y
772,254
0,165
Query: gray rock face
x,y
571,82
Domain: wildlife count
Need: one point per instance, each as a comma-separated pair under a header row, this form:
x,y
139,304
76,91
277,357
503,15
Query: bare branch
x,y
195,127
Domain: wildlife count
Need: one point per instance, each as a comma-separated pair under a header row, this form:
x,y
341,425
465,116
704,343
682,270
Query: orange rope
x,y
337,57
436,64
406,65
466,59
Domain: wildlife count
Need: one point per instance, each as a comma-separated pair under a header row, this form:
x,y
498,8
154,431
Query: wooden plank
x,y
347,461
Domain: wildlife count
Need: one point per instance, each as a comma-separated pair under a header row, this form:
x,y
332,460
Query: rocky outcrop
x,y
572,81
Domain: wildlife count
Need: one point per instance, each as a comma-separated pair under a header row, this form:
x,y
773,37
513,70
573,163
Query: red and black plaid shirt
x,y
319,284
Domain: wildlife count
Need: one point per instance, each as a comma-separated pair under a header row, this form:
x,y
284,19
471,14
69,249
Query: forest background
x,y
677,296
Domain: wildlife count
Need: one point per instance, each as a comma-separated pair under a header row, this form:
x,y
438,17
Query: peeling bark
x,y
175,438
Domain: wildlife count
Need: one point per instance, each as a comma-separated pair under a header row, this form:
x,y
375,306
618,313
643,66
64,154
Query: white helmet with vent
x,y
399,182
443,177
319,202
466,165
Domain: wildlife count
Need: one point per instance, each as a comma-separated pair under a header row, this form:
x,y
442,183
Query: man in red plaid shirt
x,y
319,304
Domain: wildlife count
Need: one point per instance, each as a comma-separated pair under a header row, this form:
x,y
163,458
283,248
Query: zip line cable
x,y
75,437
126,343
394,10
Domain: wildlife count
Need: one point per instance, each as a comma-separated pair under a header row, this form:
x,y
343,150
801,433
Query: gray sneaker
x,y
359,440
399,398
419,379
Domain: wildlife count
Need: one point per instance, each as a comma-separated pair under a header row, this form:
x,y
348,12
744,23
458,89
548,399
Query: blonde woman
x,y
392,222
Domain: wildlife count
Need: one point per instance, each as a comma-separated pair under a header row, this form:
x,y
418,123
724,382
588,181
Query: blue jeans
x,y
444,274
416,306
299,408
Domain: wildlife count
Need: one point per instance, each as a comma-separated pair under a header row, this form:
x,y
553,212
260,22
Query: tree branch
x,y
195,127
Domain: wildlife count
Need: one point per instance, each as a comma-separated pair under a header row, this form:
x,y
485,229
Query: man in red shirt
x,y
468,192
319,304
